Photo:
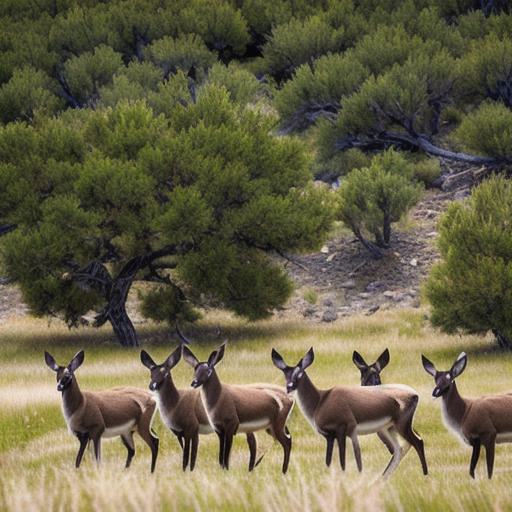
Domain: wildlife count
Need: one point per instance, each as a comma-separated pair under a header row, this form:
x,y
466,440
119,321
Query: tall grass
x,y
37,453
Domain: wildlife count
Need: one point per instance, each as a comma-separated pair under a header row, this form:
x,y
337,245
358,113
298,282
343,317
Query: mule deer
x,y
351,411
486,420
110,413
182,410
370,376
232,409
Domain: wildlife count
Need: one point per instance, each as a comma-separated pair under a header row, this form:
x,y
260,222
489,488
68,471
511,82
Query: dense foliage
x,y
138,137
471,288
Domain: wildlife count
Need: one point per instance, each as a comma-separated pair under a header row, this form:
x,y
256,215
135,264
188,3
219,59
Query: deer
x,y
370,376
485,420
91,416
240,408
348,411
182,410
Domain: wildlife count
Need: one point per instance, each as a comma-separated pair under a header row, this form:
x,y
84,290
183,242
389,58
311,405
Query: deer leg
x,y
285,440
228,442
330,446
386,442
476,444
193,454
222,438
84,439
251,441
179,436
408,433
489,442
357,451
96,439
341,437
186,452
127,440
147,434
390,434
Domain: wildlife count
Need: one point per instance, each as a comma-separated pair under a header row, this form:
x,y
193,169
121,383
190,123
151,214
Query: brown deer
x,y
370,376
486,420
345,411
182,410
109,413
232,409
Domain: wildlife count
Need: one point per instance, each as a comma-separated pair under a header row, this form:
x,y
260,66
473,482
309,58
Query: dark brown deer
x,y
90,416
486,420
182,410
345,411
232,409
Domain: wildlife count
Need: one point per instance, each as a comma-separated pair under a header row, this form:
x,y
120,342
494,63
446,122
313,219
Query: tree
x,y
193,202
374,197
470,289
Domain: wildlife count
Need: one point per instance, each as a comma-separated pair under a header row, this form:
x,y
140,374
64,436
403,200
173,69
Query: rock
x,y
372,310
348,284
389,294
364,295
309,311
329,315
413,262
374,286
329,302
331,257
324,249
431,234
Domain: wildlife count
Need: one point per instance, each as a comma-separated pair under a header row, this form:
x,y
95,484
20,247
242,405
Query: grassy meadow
x,y
37,453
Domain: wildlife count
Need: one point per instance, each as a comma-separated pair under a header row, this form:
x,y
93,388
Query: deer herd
x,y
211,406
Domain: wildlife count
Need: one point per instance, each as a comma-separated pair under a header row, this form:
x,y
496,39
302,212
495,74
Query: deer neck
x,y
72,399
168,394
211,390
308,397
454,405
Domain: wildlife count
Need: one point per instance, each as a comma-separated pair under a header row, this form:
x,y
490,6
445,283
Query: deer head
x,y
293,374
203,370
445,379
65,374
370,373
159,372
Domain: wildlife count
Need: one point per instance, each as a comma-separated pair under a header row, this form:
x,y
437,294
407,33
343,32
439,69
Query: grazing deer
x,y
486,420
351,411
110,413
232,409
370,376
182,410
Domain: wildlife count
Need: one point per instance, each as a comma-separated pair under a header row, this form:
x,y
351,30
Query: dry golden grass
x,y
37,453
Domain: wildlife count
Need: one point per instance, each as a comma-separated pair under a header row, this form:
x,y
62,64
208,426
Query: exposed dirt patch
x,y
345,279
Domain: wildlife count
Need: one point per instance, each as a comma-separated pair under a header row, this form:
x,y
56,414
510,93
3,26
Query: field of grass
x,y
37,453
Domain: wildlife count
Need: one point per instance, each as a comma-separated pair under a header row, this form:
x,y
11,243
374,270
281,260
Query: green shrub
x,y
471,288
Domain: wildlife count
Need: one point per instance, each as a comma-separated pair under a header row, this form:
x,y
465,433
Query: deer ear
x,y
307,359
383,360
358,360
174,358
77,361
278,360
428,365
189,357
50,361
216,356
147,360
459,366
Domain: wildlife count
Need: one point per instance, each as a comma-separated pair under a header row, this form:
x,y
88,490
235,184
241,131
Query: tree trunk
x,y
386,228
372,248
502,339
